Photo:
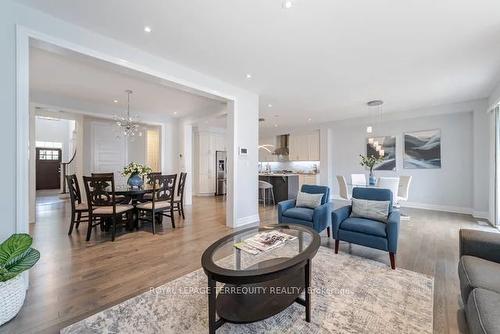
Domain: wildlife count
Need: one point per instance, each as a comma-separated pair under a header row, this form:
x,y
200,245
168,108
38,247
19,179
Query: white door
x,y
108,152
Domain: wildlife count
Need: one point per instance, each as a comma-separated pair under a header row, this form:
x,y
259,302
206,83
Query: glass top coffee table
x,y
258,286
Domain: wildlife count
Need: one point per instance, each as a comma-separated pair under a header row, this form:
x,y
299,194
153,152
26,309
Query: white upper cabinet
x,y
304,147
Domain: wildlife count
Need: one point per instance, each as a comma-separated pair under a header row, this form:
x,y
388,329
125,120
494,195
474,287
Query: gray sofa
x,y
479,273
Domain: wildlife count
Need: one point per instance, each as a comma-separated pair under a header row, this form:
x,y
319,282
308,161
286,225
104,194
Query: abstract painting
x,y
387,144
422,149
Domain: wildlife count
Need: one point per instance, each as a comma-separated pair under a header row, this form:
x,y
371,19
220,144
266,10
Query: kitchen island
x,y
285,185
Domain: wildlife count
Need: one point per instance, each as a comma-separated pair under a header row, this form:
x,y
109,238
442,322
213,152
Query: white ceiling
x,y
321,59
70,80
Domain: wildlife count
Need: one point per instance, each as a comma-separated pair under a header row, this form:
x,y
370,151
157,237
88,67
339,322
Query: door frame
x,y
23,36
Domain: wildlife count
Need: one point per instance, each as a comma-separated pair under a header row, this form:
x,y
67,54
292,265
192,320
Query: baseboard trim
x,y
436,207
247,221
481,214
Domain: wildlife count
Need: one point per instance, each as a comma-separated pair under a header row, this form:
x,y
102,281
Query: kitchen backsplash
x,y
294,166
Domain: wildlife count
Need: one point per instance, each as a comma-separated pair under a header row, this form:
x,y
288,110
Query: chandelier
x,y
127,125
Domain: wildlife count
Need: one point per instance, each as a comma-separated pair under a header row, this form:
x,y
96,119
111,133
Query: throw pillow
x,y
307,200
375,210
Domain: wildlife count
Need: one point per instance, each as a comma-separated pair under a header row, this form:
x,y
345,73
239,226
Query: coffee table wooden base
x,y
258,301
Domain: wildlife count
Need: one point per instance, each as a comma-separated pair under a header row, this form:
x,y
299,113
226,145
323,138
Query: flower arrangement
x,y
370,161
135,168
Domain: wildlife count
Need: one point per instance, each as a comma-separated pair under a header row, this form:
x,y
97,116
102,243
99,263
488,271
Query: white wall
x,y
55,130
244,112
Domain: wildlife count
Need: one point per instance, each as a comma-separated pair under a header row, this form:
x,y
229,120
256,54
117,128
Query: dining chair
x,y
403,192
358,179
102,203
162,201
149,180
391,183
119,198
342,187
78,208
179,197
403,189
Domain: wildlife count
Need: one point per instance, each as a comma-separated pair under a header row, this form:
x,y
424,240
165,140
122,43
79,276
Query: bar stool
x,y
265,186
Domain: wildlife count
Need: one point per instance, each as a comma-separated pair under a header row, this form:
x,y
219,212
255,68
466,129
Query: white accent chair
x,y
358,179
342,187
404,188
391,183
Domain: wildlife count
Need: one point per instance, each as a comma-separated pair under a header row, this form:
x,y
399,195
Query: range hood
x,y
282,146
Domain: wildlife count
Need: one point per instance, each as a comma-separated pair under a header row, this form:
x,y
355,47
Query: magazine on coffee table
x,y
264,242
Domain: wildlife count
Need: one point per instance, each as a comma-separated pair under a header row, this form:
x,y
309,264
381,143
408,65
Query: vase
x,y
12,295
372,180
135,181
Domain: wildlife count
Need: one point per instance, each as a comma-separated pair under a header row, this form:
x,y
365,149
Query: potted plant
x,y
16,256
370,162
135,173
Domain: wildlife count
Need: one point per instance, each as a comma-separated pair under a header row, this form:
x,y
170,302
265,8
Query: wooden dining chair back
x,y
119,198
79,209
150,177
162,201
179,197
102,202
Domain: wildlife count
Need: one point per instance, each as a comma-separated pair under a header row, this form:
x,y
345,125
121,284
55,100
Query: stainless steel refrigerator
x,y
221,172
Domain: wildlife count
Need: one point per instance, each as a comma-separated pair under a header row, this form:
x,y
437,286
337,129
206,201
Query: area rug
x,y
350,295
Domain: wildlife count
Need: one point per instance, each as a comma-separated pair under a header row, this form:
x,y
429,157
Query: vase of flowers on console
x,y
135,173
370,162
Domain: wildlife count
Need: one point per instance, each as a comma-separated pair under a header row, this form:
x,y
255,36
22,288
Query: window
x,y
48,155
48,144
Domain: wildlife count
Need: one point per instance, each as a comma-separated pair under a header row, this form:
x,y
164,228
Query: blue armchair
x,y
367,232
317,219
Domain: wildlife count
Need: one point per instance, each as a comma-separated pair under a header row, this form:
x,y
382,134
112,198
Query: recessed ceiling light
x,y
287,4
275,125
309,119
115,101
175,112
147,29
269,105
249,76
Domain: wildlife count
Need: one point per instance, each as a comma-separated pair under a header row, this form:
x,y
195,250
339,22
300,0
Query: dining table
x,y
133,196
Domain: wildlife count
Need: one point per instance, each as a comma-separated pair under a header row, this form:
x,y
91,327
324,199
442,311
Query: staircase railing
x,y
64,169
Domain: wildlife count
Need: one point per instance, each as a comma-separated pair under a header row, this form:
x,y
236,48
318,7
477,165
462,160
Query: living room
x,y
361,164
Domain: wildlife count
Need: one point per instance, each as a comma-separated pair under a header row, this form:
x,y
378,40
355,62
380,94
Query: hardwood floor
x,y
75,279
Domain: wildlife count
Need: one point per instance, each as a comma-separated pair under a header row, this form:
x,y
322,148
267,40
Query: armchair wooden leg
x,y
393,260
337,242
328,233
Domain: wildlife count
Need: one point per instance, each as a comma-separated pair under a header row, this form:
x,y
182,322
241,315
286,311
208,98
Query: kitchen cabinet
x,y
308,179
304,147
207,143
